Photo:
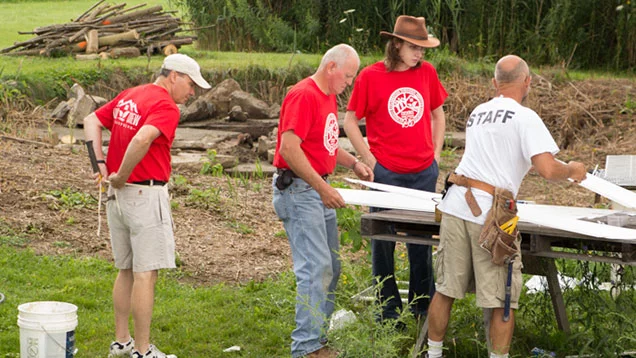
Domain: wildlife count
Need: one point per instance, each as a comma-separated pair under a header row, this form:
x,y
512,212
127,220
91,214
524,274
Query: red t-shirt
x,y
126,114
397,107
313,116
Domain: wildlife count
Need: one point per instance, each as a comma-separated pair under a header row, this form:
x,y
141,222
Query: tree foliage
x,y
571,33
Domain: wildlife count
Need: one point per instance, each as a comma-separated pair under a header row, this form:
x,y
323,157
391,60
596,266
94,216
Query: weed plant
x,y
204,199
211,165
68,198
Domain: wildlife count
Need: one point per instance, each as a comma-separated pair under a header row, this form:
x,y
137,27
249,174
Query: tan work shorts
x,y
140,224
461,264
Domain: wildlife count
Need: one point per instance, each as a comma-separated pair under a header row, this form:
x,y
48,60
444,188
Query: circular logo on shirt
x,y
406,106
332,131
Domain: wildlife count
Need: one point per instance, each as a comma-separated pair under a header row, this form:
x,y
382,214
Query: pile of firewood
x,y
107,30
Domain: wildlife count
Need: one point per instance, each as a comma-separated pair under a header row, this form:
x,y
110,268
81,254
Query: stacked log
x,y
107,30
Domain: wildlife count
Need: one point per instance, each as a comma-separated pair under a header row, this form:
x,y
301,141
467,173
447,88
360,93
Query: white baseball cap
x,y
186,65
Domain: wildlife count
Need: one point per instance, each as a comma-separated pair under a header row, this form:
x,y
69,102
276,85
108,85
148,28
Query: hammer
x,y
506,314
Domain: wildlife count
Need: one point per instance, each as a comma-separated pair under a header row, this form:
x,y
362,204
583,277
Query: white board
x,y
387,200
564,220
610,190
420,194
558,217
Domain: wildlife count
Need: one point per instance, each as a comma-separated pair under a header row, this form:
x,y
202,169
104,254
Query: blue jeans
x,y
421,281
313,237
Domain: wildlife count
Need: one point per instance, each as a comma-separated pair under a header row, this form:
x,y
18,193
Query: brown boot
x,y
324,352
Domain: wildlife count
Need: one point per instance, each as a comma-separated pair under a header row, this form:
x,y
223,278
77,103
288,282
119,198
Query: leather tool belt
x,y
501,244
471,183
499,235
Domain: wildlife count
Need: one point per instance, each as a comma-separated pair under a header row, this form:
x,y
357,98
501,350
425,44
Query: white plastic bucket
x,y
47,329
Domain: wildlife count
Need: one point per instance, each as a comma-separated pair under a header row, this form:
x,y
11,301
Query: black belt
x,y
151,182
280,171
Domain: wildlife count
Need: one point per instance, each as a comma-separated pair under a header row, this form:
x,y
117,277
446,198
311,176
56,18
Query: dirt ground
x,y
234,235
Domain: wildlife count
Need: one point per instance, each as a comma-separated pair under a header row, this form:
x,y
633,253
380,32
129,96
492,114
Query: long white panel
x,y
557,217
610,190
380,199
421,194
551,218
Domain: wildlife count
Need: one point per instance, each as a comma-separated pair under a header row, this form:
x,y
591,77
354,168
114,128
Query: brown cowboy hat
x,y
412,29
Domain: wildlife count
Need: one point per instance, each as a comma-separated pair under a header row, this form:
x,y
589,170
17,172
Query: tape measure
x,y
509,226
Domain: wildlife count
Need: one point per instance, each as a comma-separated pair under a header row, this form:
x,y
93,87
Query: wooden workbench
x,y
539,247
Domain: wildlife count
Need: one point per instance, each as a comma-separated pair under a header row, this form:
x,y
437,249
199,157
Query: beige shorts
x,y
461,265
140,224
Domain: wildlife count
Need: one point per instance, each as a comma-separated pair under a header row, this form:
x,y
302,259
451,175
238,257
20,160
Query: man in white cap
x,y
142,121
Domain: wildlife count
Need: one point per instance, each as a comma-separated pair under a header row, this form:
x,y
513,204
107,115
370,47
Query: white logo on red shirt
x,y
126,112
406,106
332,131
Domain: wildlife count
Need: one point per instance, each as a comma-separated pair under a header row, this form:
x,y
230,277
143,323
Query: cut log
x,y
57,43
92,41
254,127
148,29
77,35
89,10
127,52
93,15
135,14
131,35
176,42
31,52
79,47
169,50
88,57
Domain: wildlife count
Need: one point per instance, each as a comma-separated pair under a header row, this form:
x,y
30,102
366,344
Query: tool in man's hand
x,y
506,314
93,158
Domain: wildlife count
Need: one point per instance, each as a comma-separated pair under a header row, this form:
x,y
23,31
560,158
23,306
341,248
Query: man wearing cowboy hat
x,y
401,98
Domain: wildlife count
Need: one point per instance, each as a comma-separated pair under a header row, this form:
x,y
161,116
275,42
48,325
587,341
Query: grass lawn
x,y
188,321
27,15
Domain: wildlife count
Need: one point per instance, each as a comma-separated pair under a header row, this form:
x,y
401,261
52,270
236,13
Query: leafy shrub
x,y
68,198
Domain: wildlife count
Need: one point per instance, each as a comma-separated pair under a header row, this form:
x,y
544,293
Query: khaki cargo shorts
x,y
140,224
461,265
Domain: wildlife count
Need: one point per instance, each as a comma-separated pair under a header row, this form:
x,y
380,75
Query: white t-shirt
x,y
502,136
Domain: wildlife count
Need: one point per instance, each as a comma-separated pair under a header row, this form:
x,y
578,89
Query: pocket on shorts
x,y
165,212
439,265
139,211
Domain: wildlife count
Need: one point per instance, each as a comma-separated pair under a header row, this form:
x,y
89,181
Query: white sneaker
x,y
121,349
153,352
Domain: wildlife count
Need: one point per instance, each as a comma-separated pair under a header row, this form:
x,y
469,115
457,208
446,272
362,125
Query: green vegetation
x,y
193,322
258,316
68,198
211,166
26,15
570,33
